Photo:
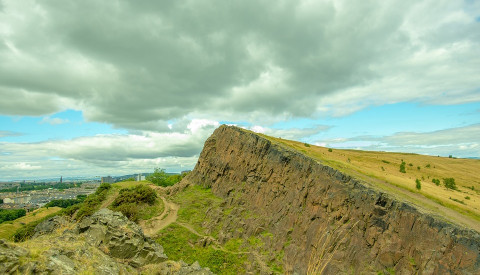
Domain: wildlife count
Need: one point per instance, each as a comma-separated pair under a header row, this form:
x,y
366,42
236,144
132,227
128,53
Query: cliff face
x,y
322,220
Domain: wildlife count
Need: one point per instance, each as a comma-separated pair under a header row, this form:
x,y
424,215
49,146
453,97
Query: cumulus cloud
x,y
461,142
102,154
141,65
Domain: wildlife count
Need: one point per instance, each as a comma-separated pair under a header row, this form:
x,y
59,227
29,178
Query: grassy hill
x,y
382,170
7,229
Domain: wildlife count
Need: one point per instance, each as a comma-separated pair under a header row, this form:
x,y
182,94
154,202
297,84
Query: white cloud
x,y
460,142
139,66
114,154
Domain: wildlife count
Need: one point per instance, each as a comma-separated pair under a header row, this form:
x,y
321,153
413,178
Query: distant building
x,y
7,200
107,180
140,177
61,179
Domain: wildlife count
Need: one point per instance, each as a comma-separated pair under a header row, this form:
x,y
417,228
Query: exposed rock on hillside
x,y
120,238
105,243
320,219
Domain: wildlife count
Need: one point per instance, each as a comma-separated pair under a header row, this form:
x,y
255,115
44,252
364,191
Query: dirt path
x,y
110,199
152,226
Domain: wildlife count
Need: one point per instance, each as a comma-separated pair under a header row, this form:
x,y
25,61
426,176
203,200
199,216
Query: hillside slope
x,y
322,220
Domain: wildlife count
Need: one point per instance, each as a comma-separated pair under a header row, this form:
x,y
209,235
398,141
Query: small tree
x,y
436,181
402,167
418,184
450,183
158,177
330,150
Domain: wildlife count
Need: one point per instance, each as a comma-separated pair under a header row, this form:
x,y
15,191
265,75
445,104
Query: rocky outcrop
x,y
49,226
120,238
104,243
321,220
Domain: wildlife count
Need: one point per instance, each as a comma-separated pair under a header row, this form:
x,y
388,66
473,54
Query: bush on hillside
x,y
11,214
450,183
129,200
137,194
436,181
418,185
402,167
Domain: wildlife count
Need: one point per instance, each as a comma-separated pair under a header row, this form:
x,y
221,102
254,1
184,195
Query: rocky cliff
x,y
320,220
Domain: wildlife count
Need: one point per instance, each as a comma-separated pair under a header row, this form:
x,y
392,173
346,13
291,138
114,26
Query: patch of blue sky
x,y
389,119
64,125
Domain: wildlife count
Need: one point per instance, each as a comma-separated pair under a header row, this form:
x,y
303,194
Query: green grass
x,y
181,244
194,202
147,212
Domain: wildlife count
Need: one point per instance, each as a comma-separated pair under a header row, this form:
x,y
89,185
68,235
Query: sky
x,y
96,88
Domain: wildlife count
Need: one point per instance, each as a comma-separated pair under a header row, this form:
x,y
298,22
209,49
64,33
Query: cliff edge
x,y
321,220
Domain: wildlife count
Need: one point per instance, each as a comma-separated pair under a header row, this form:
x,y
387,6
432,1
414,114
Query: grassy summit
x,y
383,171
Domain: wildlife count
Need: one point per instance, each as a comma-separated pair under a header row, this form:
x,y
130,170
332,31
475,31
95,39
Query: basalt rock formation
x,y
321,220
104,243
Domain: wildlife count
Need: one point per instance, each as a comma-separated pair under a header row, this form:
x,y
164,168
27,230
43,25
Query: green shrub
x,y
330,150
385,161
436,181
130,199
427,166
64,203
450,183
11,214
306,145
467,197
138,194
418,185
402,167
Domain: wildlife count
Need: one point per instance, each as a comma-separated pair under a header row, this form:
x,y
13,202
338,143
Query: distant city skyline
x,y
115,88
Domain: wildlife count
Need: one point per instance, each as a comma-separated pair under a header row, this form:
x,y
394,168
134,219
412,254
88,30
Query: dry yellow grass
x,y
7,229
382,170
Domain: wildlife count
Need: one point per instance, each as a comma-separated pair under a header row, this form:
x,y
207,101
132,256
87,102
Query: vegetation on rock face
x,y
181,244
161,178
11,214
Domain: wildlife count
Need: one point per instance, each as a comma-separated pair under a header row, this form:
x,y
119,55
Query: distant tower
x,y
18,189
60,179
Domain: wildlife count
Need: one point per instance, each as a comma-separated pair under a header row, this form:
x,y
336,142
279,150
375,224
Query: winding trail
x,y
152,226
